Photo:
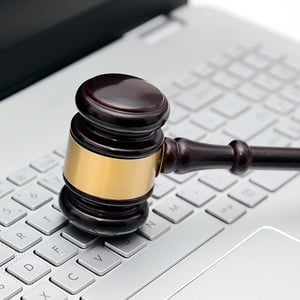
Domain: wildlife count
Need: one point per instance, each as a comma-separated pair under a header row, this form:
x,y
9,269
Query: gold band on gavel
x,y
107,177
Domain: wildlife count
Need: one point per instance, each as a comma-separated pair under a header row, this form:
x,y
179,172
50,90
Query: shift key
x,y
250,123
170,250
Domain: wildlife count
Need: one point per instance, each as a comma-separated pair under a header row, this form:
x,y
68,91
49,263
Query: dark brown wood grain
x,y
121,116
183,156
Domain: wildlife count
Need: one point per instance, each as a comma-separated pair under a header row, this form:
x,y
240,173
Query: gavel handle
x,y
182,156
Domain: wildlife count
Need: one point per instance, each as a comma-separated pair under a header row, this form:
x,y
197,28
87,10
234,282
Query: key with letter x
x,y
45,291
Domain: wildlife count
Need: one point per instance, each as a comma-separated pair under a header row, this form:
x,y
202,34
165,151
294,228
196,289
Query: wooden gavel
x,y
116,149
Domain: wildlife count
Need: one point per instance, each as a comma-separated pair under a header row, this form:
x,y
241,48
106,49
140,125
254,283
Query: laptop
x,y
210,234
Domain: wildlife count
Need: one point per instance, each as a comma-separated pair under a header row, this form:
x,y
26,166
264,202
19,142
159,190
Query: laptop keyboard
x,y
246,92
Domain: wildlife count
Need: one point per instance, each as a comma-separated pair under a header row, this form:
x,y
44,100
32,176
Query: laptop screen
x,y
39,37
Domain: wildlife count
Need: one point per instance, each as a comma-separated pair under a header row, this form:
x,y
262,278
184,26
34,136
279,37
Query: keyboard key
x,y
220,61
270,137
208,120
99,260
258,118
268,82
283,72
28,269
45,163
127,245
44,291
204,70
252,92
186,81
199,97
279,105
181,178
270,180
188,130
20,237
73,279
220,180
5,188
11,212
22,176
248,194
177,114
173,209
291,92
272,54
296,115
293,62
241,71
225,80
56,251
226,210
250,45
78,237
61,151
33,196
162,187
217,138
230,105
171,90
9,287
196,193
200,227
288,128
154,227
56,205
47,220
257,61
236,51
6,255
53,182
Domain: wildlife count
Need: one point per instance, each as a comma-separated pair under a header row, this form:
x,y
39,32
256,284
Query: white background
x,y
282,16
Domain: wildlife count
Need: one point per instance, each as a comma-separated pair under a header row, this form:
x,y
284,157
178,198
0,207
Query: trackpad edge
x,y
266,265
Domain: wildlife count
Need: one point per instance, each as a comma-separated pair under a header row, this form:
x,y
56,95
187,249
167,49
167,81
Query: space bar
x,y
130,277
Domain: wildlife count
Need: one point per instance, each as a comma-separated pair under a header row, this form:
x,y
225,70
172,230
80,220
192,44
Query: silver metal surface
x,y
209,228
272,257
159,63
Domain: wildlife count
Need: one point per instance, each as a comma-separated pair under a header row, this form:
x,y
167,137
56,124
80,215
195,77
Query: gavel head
x,y
114,154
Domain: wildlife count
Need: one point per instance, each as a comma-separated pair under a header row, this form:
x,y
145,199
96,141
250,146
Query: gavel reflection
x,y
116,149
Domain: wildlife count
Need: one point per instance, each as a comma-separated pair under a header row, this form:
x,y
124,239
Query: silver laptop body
x,y
225,79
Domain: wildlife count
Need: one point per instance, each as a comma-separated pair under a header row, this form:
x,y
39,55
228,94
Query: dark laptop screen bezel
x,y
40,37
